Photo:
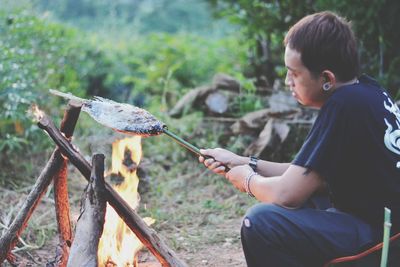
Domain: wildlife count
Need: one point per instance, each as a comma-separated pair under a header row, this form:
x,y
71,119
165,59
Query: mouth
x,y
293,92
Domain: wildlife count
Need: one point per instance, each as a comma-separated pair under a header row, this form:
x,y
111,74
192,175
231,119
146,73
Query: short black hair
x,y
325,42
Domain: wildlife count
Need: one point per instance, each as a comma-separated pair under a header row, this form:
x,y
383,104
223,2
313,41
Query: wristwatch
x,y
253,163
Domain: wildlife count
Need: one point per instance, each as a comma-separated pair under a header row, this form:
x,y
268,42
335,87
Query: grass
x,y
194,209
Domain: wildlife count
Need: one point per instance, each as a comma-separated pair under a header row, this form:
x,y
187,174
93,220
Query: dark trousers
x,y
273,236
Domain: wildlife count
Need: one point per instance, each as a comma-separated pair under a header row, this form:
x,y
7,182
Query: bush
x,y
36,55
162,67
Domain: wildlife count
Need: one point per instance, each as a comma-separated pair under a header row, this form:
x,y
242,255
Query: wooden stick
x,y
10,237
54,164
146,235
91,220
62,208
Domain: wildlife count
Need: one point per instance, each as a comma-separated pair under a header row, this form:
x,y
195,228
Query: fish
x,y
121,117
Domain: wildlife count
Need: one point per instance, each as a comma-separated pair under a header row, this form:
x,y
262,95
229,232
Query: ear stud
x,y
326,86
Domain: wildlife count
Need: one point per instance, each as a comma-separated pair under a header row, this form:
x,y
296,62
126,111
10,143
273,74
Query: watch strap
x,y
253,163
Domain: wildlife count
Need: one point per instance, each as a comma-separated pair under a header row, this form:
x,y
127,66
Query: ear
x,y
329,77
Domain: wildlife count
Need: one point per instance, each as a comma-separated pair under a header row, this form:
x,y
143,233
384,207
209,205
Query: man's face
x,y
306,88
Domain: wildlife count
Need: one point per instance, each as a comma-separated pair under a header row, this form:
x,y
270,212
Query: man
x,y
352,152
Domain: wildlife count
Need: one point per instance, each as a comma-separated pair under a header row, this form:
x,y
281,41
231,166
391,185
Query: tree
x,y
265,23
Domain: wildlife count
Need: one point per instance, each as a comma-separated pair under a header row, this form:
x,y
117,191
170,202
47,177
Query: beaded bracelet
x,y
247,184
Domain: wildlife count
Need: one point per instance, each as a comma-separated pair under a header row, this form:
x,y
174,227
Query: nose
x,y
288,80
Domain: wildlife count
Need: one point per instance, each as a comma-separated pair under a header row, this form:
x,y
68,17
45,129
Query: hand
x,y
223,156
218,159
237,175
214,165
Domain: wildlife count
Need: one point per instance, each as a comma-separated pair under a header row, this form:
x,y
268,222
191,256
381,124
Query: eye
x,y
290,73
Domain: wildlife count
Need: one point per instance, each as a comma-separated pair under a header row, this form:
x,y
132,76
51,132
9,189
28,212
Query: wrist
x,y
247,183
240,160
253,163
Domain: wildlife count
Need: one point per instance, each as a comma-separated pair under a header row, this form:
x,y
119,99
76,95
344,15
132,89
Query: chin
x,y
300,101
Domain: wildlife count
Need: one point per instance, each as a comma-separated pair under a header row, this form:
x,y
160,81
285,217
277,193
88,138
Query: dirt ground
x,y
221,254
198,244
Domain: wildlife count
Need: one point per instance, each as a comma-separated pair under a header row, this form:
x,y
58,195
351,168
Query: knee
x,y
262,214
261,221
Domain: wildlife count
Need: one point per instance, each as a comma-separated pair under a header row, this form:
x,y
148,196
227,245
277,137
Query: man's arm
x,y
270,169
290,190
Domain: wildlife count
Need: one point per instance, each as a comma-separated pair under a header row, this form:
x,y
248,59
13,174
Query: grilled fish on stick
x,y
118,116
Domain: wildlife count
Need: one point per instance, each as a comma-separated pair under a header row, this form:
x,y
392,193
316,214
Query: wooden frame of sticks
x,y
81,249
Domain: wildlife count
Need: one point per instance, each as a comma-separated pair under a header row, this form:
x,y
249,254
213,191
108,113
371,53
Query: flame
x,y
35,112
118,244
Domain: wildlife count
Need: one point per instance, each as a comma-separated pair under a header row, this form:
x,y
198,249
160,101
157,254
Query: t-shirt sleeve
x,y
325,143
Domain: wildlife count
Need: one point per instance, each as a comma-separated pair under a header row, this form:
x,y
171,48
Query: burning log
x,y
146,235
54,164
91,220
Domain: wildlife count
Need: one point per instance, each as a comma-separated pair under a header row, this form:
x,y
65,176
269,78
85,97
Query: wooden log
x,y
10,238
217,102
91,220
226,82
146,235
62,207
191,99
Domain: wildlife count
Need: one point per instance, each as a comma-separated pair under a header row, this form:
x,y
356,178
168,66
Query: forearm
x,y
265,189
291,189
270,169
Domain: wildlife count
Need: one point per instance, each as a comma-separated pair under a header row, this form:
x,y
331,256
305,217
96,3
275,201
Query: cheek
x,y
297,84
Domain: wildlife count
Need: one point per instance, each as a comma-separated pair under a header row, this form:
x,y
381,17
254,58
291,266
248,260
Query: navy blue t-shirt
x,y
354,145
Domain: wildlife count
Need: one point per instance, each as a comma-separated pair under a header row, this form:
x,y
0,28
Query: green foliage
x,y
162,67
247,101
36,55
135,17
152,70
31,53
265,23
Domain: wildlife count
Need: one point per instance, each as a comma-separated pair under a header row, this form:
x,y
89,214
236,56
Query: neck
x,y
338,85
352,81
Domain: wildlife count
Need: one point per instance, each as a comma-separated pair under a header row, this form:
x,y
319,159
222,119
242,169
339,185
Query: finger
x,y
220,169
214,165
208,162
206,152
201,159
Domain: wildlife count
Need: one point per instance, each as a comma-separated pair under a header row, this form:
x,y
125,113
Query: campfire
x,y
117,247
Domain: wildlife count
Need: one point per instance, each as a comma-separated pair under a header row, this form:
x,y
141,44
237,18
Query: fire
x,y
118,244
35,112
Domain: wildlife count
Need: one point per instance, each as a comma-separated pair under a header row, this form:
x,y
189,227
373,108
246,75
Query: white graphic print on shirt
x,y
392,134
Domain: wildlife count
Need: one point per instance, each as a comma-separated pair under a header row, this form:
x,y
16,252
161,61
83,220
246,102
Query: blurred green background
x,y
150,53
